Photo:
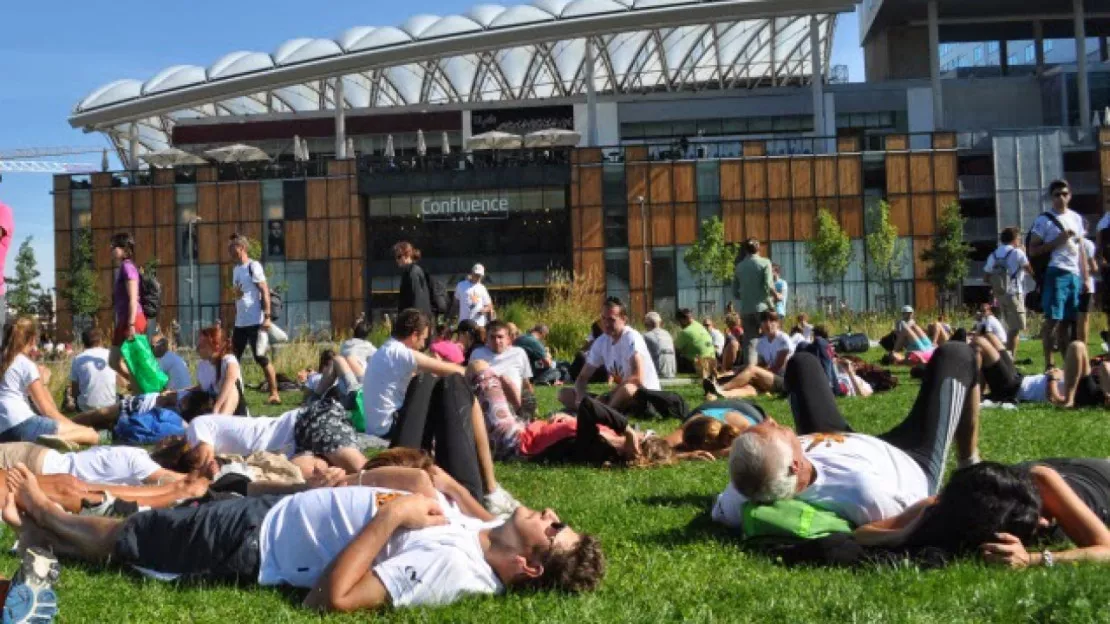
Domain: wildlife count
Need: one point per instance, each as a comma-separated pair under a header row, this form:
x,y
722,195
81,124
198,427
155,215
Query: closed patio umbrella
x,y
446,144
389,152
238,153
421,144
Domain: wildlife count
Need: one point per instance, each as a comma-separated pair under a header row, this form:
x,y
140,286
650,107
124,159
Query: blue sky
x,y
50,59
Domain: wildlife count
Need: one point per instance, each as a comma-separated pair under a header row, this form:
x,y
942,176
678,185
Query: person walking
x,y
473,299
129,317
781,288
416,293
755,287
1005,272
252,310
1059,233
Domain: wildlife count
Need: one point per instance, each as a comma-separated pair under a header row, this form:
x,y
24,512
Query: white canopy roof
x,y
490,53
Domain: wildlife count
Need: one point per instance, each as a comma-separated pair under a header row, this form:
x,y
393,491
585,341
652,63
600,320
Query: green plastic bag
x,y
140,360
791,518
358,415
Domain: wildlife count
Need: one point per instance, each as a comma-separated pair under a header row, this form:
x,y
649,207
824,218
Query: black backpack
x,y
275,297
150,296
437,295
852,343
1040,262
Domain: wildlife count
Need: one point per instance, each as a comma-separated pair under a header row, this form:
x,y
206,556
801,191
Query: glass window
x,y
296,281
185,198
1048,45
1030,54
400,206
993,46
187,234
209,282
379,206
273,200
81,200
555,199
616,273
319,316
978,55
1011,60
734,126
532,200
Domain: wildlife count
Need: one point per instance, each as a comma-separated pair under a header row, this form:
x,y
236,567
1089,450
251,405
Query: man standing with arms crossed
x,y
755,287
252,310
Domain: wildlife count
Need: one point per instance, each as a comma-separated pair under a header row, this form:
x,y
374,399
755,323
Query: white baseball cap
x,y
907,309
478,270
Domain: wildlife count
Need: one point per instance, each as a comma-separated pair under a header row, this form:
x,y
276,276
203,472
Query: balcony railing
x,y
980,228
976,185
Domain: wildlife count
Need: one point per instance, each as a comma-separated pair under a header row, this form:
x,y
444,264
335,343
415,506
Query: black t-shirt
x,y
1090,478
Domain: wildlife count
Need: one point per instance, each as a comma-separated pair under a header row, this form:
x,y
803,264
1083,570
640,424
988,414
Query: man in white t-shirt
x,y
172,365
861,478
1078,385
354,547
92,381
623,352
509,362
252,310
473,299
1059,232
775,349
1005,272
988,323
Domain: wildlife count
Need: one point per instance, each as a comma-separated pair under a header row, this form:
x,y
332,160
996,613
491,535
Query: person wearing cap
x,y
475,303
909,336
7,231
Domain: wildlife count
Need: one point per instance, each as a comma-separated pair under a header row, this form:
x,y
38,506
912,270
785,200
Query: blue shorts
x,y
921,344
30,430
1060,296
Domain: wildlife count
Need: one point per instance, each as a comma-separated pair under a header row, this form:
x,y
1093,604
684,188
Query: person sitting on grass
x,y
1076,386
693,345
171,364
510,363
395,548
445,348
92,382
775,350
545,370
861,478
1005,514
802,330
660,346
734,339
357,350
19,379
716,335
219,374
989,323
622,352
909,337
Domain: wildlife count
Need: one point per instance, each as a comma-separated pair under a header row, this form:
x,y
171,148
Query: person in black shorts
x,y
252,310
1079,385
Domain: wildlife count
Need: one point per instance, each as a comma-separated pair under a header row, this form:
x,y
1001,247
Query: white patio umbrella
x,y
298,155
552,137
305,154
389,152
350,147
171,157
421,144
237,153
494,140
446,144
104,164
1095,123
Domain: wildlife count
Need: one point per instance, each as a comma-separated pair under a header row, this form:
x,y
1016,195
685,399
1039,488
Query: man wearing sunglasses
x,y
355,547
1059,232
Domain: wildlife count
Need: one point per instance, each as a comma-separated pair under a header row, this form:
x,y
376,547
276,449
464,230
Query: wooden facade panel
x,y
805,217
252,230
63,211
755,180
101,180
63,240
208,246
849,170
945,172
342,315
592,227
358,235
825,176
925,295
635,153
801,178
101,209
145,245
104,279
752,149
943,200
920,244
755,220
852,216
684,183
778,178
592,264
900,214
923,214
780,220
660,187
897,142
316,238
61,183
661,225
897,173
636,177
121,209
208,203
732,180
207,174
589,186
102,257
339,197
636,278
586,156
636,226
341,279
295,240
316,194
921,173
250,201
944,140
142,206
164,177
846,144
685,223
339,238
165,206
166,245
732,213
229,202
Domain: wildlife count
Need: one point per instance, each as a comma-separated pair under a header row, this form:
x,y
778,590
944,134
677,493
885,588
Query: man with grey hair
x,y
859,477
660,345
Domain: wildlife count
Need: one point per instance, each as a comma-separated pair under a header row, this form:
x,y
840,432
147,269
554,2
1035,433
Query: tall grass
x,y
570,306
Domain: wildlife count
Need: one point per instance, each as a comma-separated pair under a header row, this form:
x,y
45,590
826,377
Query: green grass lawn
x,y
669,563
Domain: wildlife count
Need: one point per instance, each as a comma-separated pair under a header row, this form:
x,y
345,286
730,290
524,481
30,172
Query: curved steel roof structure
x,y
491,53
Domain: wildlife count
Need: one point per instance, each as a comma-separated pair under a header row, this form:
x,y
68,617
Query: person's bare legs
x,y
749,382
101,418
622,396
728,357
77,434
115,360
1077,365
271,378
1048,341
481,444
87,537
967,431
1082,327
567,398
356,365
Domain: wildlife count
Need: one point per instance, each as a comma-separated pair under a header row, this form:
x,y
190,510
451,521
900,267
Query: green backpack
x,y
358,415
790,518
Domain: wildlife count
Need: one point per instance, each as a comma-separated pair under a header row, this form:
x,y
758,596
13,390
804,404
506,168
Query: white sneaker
x,y
500,503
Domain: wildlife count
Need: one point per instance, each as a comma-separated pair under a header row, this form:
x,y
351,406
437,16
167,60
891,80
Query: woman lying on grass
x,y
999,511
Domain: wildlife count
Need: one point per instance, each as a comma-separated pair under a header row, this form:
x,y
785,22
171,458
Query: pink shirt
x,y
7,222
448,351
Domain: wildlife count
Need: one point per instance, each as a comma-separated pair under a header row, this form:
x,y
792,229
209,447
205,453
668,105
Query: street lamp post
x,y
644,242
192,280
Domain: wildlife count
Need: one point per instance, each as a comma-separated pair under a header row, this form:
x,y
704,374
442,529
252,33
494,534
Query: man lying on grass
x,y
354,547
1078,385
859,477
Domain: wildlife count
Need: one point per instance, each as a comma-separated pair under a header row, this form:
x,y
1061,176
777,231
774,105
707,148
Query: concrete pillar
x,y
934,65
818,78
340,121
132,147
591,96
1038,45
1004,56
1084,91
1104,49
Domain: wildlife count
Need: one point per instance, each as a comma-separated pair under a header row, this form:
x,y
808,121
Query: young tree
x,y
24,289
711,258
84,298
947,258
44,309
884,251
829,252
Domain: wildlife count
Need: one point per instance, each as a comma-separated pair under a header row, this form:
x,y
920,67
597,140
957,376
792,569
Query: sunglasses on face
x,y
1061,194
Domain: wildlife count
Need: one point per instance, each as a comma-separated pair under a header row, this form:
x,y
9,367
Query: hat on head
x,y
907,309
478,270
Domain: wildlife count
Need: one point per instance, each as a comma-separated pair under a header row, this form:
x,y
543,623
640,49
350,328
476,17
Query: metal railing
x,y
980,228
976,185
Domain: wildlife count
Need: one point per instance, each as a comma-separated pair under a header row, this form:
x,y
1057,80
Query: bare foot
x,y
10,513
29,495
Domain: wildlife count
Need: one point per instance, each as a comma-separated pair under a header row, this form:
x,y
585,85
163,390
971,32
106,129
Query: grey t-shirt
x,y
660,345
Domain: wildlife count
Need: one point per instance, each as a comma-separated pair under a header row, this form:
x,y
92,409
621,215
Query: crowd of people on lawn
x,y
293,500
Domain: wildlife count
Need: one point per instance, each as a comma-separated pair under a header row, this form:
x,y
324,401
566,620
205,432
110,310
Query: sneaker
x,y
31,598
710,387
500,503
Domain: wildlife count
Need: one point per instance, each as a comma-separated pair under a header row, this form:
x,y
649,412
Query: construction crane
x,y
28,160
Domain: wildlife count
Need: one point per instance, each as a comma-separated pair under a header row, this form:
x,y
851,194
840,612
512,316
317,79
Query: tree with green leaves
x,y
947,257
884,251
81,289
44,309
829,252
24,289
711,259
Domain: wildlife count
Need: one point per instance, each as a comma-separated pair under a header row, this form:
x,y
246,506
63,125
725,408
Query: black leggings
x,y
924,435
437,414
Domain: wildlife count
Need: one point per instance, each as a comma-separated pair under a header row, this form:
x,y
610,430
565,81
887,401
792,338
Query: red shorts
x,y
121,329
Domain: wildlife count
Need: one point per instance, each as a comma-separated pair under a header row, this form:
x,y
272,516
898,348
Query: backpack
x,y
437,295
150,296
1040,262
275,297
852,343
1002,283
148,427
826,356
791,519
